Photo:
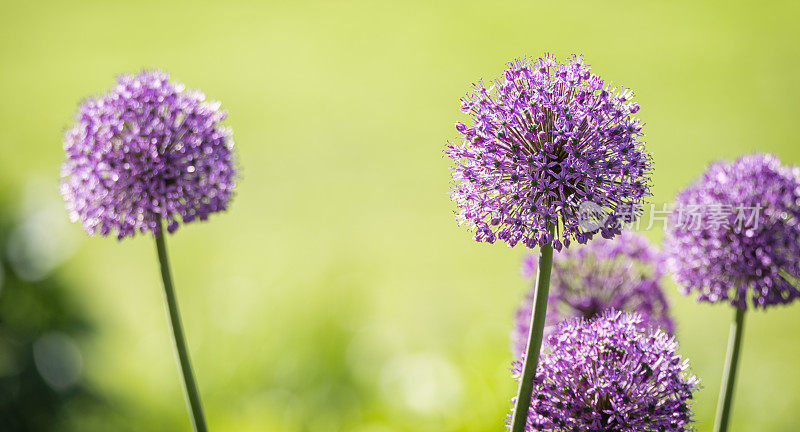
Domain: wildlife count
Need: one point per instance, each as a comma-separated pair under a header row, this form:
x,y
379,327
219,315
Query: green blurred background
x,y
338,293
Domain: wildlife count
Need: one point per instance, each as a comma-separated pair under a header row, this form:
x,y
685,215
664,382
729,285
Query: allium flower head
x,y
608,374
145,149
543,141
623,273
748,242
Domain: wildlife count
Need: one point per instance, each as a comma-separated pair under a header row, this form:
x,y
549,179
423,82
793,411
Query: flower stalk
x,y
729,372
190,390
525,392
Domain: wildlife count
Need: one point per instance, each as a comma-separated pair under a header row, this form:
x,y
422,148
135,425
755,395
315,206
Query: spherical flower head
x,y
547,143
146,149
748,242
623,273
608,374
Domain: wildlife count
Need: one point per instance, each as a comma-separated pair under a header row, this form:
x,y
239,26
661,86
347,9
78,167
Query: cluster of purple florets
x,y
623,273
608,374
544,140
148,149
753,254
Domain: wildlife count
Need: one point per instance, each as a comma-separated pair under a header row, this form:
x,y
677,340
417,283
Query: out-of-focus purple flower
x,y
623,273
544,140
753,249
145,149
608,374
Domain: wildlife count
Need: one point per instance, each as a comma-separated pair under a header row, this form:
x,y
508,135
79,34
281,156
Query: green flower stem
x,y
729,373
534,339
179,340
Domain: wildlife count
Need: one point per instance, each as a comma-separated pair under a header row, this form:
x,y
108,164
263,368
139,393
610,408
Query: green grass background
x,y
338,293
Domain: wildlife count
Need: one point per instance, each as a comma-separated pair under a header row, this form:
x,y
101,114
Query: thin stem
x,y
178,339
535,333
729,372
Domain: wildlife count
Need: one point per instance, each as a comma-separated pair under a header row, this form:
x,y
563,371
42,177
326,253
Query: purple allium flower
x,y
609,374
623,273
145,149
544,140
753,249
